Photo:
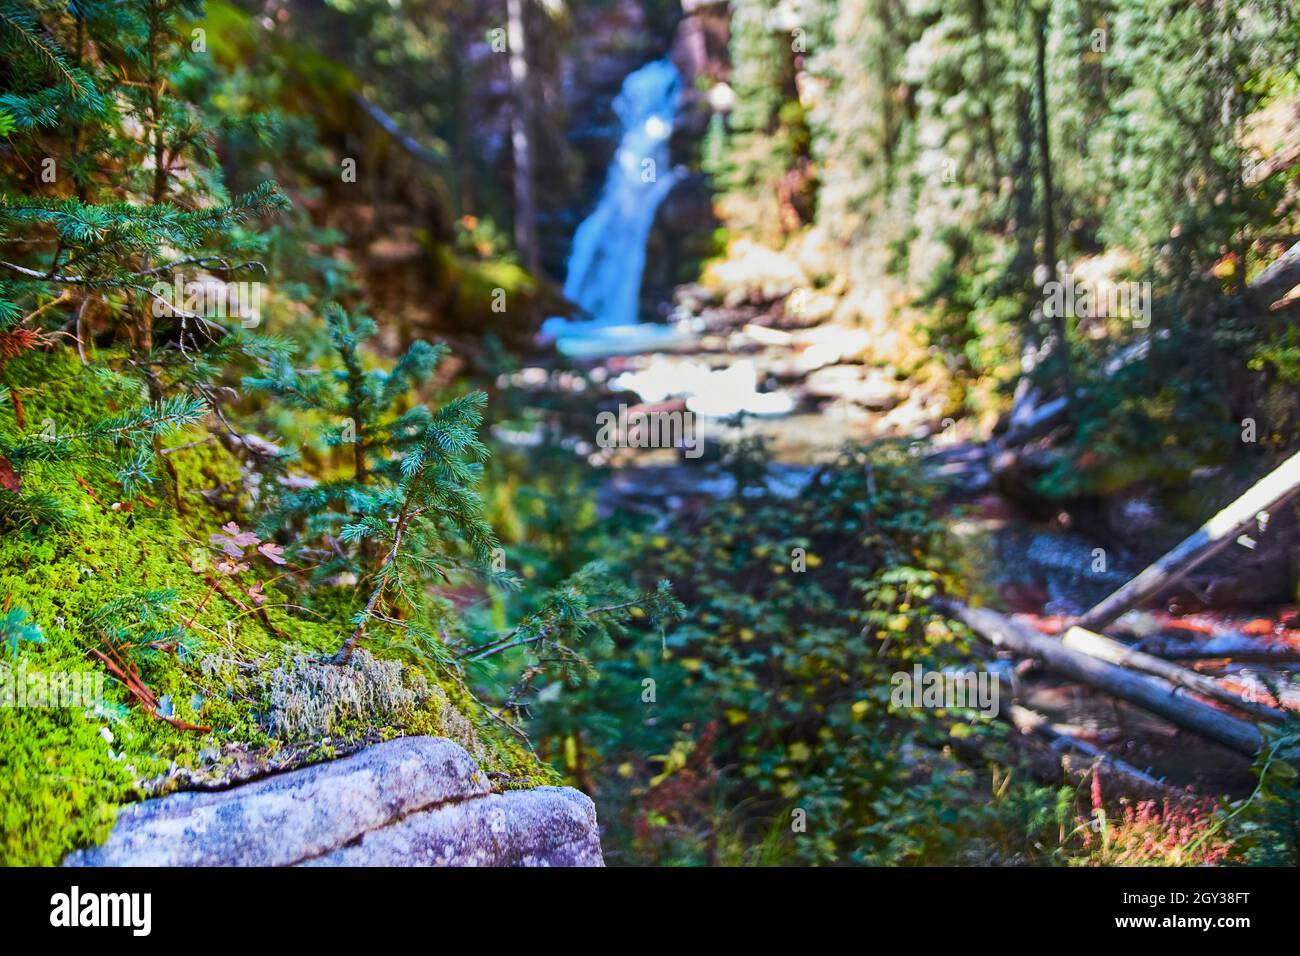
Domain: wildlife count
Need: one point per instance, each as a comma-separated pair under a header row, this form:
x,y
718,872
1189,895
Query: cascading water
x,y
608,256
608,259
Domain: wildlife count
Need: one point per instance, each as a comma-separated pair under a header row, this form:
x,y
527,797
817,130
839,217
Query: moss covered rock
x,y
238,686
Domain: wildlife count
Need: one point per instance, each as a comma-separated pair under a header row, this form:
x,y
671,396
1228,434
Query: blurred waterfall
x,y
608,256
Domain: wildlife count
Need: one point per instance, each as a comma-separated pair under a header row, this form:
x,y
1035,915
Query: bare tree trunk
x,y
1061,345
1103,648
521,118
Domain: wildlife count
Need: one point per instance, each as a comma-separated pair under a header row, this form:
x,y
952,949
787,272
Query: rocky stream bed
x,y
811,387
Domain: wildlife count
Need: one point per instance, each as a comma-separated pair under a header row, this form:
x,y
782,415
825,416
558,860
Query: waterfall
x,y
603,277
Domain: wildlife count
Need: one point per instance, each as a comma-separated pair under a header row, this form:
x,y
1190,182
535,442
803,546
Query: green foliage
x,y
766,133
772,694
134,583
373,597
1265,827
412,493
188,630
924,122
590,614
124,442
17,627
99,138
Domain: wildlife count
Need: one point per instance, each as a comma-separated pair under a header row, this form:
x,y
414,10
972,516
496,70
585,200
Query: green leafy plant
x,y
17,627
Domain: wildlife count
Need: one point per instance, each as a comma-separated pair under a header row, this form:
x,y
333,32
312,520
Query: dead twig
x,y
130,679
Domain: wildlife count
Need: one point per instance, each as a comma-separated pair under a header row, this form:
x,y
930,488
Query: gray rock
x,y
310,813
546,826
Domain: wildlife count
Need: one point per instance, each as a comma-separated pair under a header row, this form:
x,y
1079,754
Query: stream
x,y
800,388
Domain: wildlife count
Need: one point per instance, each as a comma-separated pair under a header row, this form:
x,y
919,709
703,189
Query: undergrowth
x,y
245,665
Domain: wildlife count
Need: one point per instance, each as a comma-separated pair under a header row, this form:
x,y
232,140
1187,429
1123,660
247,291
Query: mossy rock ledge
x,y
413,801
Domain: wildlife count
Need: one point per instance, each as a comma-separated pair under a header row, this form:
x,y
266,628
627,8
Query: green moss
x,y
487,294
65,771
59,787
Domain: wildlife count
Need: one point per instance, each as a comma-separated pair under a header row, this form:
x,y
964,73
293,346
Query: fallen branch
x,y
1149,693
1225,646
1277,279
1032,723
409,143
488,710
1208,540
130,679
1105,649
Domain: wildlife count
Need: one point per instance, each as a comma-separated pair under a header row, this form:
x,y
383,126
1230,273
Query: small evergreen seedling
x,y
412,493
17,627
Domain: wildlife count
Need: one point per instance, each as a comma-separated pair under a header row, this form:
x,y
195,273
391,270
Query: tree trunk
x,y
1105,649
1061,345
521,119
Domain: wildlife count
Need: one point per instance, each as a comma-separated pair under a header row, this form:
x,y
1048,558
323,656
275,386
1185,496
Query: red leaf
x,y
9,478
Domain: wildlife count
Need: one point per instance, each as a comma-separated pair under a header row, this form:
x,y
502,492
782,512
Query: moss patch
x,y
64,771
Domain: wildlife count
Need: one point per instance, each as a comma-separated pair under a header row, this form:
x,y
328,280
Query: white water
x,y
608,257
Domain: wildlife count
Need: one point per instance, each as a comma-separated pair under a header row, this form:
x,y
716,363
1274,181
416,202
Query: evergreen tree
x,y
762,141
1188,78
110,195
412,491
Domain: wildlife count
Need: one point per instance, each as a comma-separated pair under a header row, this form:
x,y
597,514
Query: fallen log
x,y
409,144
1033,723
1194,639
1103,648
1030,419
1237,648
1150,693
1208,540
1277,279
